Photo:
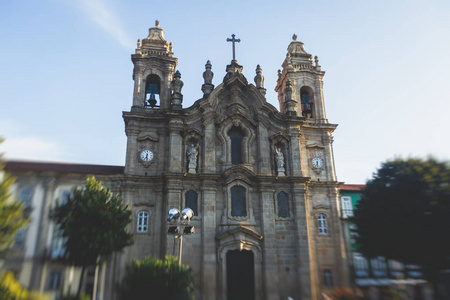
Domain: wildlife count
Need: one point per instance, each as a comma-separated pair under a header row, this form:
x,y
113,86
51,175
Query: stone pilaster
x,y
209,222
209,164
176,146
305,256
270,268
296,156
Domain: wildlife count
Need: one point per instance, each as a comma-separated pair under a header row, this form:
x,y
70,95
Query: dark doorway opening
x,y
240,275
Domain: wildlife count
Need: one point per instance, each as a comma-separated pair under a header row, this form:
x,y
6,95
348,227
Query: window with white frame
x,y
347,208
19,238
54,281
395,268
360,264
379,267
322,224
58,243
142,222
64,197
25,195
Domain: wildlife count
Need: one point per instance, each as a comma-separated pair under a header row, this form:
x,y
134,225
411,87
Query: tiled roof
x,y
352,187
62,167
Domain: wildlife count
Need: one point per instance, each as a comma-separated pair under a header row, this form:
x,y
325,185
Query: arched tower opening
x,y
152,91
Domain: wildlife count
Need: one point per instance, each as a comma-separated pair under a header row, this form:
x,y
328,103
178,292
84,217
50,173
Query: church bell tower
x,y
154,66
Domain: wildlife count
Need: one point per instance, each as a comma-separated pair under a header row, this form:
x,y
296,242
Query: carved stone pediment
x,y
321,207
239,233
239,172
147,137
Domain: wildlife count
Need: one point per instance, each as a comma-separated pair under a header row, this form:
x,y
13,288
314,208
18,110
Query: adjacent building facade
x,y
261,182
377,277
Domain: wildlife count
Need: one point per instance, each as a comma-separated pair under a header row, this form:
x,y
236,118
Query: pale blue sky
x,y
65,70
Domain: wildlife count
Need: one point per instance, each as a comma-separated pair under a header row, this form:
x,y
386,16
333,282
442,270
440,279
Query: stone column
x,y
209,255
319,102
305,259
131,131
139,86
166,91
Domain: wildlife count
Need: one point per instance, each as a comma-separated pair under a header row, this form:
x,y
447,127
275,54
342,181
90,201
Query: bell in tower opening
x,y
152,91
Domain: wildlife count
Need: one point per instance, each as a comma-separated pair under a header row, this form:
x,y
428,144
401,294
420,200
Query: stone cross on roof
x,y
233,40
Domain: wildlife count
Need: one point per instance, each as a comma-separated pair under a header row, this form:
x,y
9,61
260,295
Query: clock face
x,y
146,155
317,162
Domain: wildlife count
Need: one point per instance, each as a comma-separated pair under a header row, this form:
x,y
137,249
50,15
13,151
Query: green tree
x,y
94,222
157,279
10,289
11,211
404,214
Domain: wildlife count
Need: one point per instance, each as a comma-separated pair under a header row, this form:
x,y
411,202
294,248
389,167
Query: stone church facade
x,y
261,181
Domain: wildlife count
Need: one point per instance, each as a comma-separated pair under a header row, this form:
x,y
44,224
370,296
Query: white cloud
x,y
104,16
31,148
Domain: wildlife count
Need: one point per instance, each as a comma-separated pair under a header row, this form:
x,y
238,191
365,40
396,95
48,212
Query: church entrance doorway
x,y
240,275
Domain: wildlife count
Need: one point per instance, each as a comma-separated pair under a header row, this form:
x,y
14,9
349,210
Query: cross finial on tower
x,y
233,40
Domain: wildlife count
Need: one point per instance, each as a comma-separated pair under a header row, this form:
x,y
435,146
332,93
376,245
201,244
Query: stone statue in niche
x,y
192,154
279,156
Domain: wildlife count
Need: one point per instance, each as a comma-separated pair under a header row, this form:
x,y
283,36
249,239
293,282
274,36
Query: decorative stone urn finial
x,y
259,80
208,75
177,97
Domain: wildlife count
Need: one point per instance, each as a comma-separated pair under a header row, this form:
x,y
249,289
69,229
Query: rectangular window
x,y
379,267
25,196
54,281
360,265
347,208
327,278
64,197
322,224
238,203
58,244
19,239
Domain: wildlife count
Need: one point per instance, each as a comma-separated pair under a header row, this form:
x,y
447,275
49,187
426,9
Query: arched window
x,y
322,224
191,201
142,222
236,138
152,91
283,205
238,202
306,97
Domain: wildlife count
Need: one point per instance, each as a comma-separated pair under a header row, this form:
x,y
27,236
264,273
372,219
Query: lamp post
x,y
179,226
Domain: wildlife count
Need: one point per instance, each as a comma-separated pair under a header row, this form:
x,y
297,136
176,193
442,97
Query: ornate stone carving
x,y
192,154
279,156
177,85
208,75
259,80
289,103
